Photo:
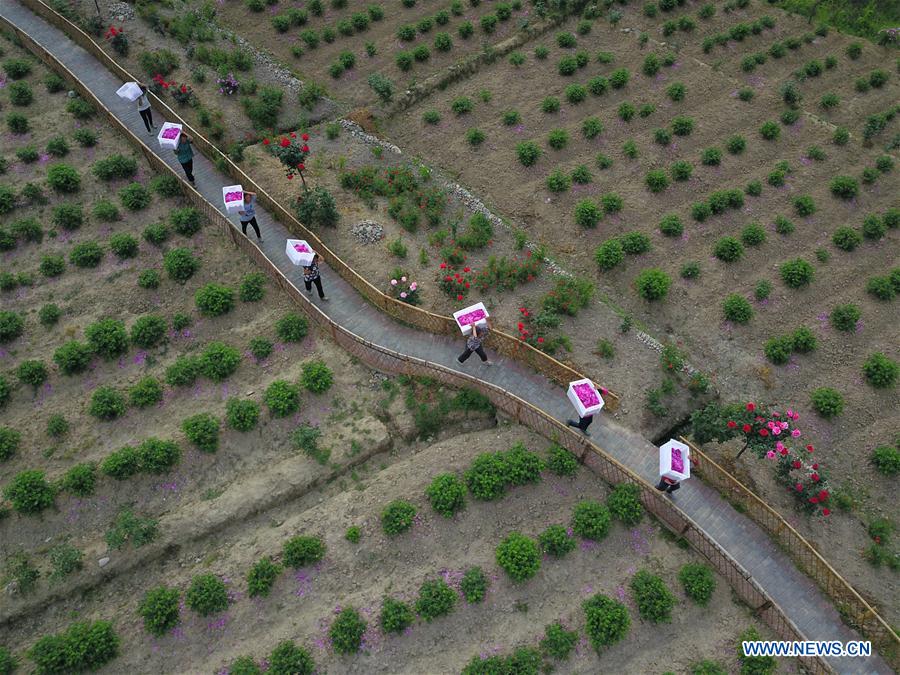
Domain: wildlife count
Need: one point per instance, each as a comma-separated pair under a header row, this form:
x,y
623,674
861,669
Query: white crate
x,y
476,314
130,91
300,252
233,197
675,461
585,397
169,135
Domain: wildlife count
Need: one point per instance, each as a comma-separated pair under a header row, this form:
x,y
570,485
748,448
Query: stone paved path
x,y
798,596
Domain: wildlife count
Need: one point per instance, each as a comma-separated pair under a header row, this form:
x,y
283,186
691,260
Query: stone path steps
x,y
810,610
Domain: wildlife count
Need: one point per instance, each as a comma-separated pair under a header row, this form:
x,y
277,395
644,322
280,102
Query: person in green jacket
x,y
185,153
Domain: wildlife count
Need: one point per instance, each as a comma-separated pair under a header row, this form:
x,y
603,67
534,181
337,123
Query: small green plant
x,y
242,415
436,599
128,527
292,327
106,404
590,520
446,494
29,492
607,621
886,460
556,541
252,287
561,462
845,317
301,551
80,480
207,595
737,308
146,392
397,517
148,331
353,534
396,616
473,585
652,284
261,577
160,611
797,273
654,600
202,430
624,503
558,642
346,631
289,659
880,371
282,398
316,377
698,581
827,402
519,556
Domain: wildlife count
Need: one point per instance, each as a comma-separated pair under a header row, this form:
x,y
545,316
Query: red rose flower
x,y
809,448
285,142
799,487
784,452
815,478
443,266
815,466
521,325
305,137
746,428
732,424
290,176
184,89
826,512
763,432
301,166
459,297
795,464
877,539
293,135
467,284
823,495
265,141
540,340
751,407
813,500
305,148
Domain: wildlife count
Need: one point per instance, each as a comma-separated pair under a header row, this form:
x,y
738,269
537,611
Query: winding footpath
x,y
810,610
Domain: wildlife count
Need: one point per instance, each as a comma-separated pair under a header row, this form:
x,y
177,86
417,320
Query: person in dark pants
x,y
185,152
473,344
248,215
667,485
311,276
143,106
583,423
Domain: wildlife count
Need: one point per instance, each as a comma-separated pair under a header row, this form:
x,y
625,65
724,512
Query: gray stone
x,y
103,562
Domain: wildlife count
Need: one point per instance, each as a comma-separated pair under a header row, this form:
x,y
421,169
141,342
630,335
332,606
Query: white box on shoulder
x,y
585,397
233,196
476,314
675,461
130,91
300,252
169,135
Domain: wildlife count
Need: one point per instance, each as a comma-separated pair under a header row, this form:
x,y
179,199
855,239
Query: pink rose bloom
x,y
770,424
403,294
413,286
785,425
795,433
393,282
790,413
779,446
776,430
403,279
770,454
776,414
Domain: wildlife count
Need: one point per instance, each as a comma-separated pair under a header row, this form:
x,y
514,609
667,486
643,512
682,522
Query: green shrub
x,y
804,205
292,327
156,456
261,348
80,480
79,108
206,595
396,616
625,504
397,517
656,180
607,621
521,466
301,551
57,426
558,139
880,371
242,415
486,476
353,534
82,647
447,494
107,337
63,178
590,520
653,599
129,527
873,227
183,372
881,287
68,216
587,213
146,392
827,402
737,308
753,234
148,331
52,265
134,197
754,665
844,317
435,599
17,124
166,185
214,299
202,430
32,372
115,167
844,187
159,608
156,234
261,577
886,460
289,659
29,492
558,642
558,181
778,349
8,662
316,377
16,69
803,340
653,284
698,581
797,273
72,358
556,541
181,264
10,439
106,404
346,631
253,287
86,254
121,464
519,556
473,585
282,398
846,238
186,221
